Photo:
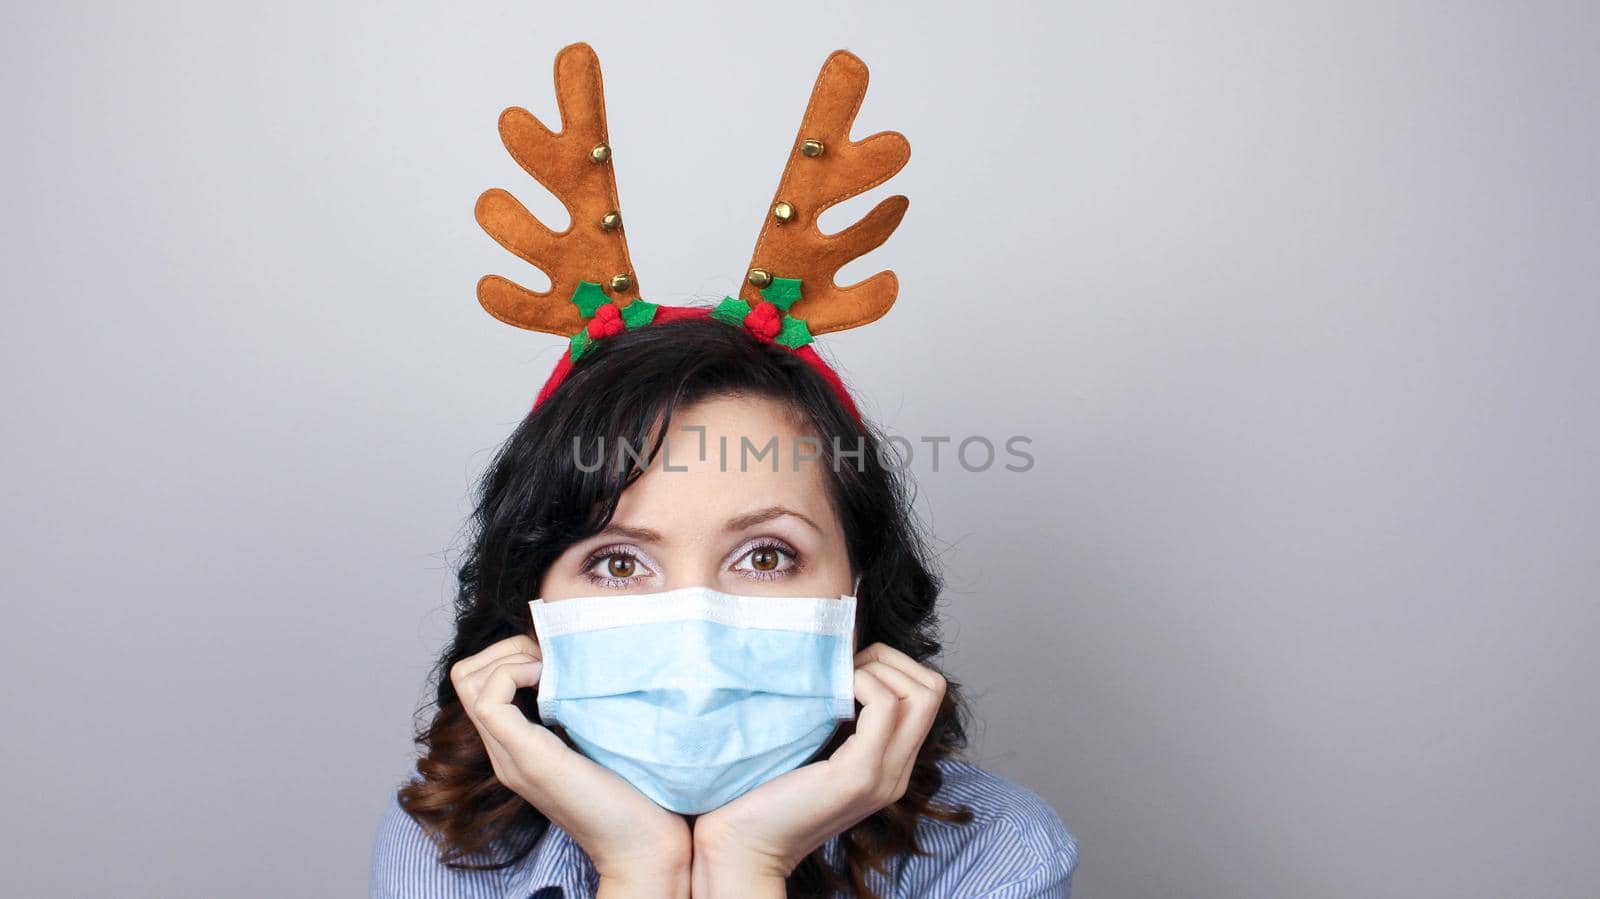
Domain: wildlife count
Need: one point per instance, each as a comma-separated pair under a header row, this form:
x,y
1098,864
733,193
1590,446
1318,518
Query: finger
x,y
860,759
471,694
499,758
921,701
499,684
920,706
476,662
528,747
887,654
468,688
898,682
517,643
472,686
468,681
521,754
529,752
918,720
524,747
880,711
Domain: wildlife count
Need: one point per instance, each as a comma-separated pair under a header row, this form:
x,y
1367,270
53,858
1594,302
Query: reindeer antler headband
x,y
789,295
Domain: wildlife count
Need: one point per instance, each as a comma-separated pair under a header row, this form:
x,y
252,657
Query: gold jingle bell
x,y
622,282
760,277
611,221
783,211
811,148
600,153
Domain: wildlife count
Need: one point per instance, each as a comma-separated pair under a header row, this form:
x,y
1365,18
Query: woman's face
x,y
702,516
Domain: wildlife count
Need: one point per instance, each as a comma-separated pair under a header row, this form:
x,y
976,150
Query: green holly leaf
x,y
731,311
793,333
580,343
638,313
782,292
589,297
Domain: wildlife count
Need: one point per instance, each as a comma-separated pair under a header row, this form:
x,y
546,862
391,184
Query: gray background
x,y
1298,305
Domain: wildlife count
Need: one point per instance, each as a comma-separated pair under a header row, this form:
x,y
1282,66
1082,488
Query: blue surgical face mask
x,y
696,696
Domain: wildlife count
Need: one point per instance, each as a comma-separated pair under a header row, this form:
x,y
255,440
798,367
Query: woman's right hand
x,y
639,848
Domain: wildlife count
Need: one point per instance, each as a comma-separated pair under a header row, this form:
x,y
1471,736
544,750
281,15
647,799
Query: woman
x,y
505,806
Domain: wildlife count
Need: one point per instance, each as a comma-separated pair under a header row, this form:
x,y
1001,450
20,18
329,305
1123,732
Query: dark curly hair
x,y
535,501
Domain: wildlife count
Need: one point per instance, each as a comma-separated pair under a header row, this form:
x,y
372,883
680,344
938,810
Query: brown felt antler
x,y
575,165
825,167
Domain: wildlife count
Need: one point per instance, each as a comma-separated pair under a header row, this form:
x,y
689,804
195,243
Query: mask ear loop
x,y
855,591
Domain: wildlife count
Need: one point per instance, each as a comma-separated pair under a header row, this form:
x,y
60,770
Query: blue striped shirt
x,y
1015,846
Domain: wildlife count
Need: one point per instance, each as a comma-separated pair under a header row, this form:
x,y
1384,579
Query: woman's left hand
x,y
749,846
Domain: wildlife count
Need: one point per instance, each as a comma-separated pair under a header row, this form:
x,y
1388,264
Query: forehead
x,y
725,456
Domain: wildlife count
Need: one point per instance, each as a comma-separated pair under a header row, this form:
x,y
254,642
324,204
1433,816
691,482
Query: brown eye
x,y
764,562
765,559
619,566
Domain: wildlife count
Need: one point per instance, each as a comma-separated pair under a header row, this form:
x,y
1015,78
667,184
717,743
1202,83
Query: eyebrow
x,y
643,535
737,523
760,516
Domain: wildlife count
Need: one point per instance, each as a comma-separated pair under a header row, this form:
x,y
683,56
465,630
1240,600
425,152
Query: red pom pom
x,y
606,322
764,320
